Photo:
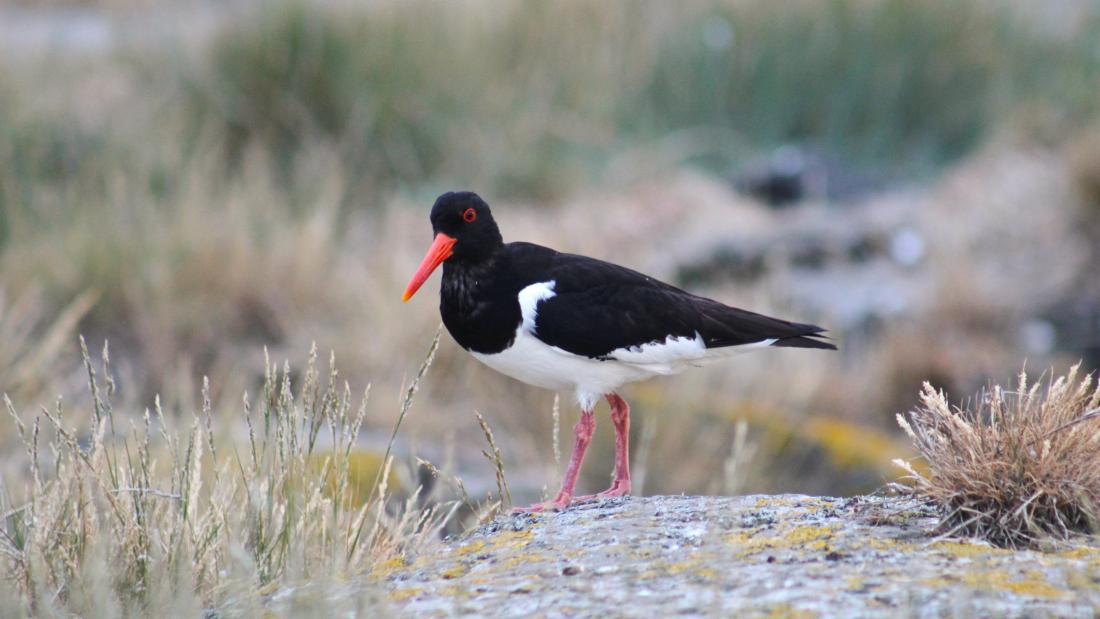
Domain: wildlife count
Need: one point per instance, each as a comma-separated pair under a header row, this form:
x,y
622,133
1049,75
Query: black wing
x,y
599,307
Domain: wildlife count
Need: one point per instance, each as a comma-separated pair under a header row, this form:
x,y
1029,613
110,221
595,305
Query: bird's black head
x,y
466,218
464,232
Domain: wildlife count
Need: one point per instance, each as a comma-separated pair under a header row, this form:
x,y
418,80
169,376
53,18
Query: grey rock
x,y
748,556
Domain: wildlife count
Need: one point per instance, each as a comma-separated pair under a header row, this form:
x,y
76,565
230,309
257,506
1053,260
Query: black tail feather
x,y
806,341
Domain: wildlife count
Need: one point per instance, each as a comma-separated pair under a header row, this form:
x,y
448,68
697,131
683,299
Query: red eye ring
x,y
469,215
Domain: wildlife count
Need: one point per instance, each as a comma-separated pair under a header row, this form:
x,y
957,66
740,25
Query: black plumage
x,y
598,307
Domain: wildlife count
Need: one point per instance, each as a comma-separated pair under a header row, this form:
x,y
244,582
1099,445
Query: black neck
x,y
478,303
476,249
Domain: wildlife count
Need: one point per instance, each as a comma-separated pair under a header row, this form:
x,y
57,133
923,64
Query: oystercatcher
x,y
568,322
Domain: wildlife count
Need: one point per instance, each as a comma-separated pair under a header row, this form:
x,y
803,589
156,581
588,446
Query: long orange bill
x,y
441,249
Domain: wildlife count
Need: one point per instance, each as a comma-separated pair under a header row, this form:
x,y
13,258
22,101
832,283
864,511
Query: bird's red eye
x,y
469,216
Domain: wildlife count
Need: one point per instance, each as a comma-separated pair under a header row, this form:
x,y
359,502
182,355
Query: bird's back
x,y
599,308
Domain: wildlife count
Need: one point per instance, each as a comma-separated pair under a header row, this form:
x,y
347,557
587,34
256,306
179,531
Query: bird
x,y
568,322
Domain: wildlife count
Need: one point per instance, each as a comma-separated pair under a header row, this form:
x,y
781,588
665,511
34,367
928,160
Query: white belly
x,y
530,360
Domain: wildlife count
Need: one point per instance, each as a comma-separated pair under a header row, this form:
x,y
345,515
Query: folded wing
x,y
601,310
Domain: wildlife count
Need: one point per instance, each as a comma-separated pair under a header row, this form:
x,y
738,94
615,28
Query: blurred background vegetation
x,y
197,181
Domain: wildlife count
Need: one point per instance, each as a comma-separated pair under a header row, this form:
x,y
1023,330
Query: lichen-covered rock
x,y
750,556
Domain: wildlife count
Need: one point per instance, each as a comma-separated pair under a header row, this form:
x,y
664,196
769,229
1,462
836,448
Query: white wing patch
x,y
529,299
674,348
678,352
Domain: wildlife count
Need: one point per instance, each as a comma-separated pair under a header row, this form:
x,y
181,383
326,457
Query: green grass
x,y
531,98
405,94
45,162
909,81
532,102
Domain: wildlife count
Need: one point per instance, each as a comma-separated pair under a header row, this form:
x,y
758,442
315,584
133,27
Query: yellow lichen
x,y
1002,580
472,547
786,611
803,537
681,566
523,559
512,539
388,567
400,595
1033,584
706,573
963,549
1080,580
650,574
739,538
456,571
892,545
454,591
937,582
692,565
811,537
774,501
1083,552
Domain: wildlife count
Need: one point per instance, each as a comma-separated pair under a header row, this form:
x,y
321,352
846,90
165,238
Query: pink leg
x,y
582,433
620,416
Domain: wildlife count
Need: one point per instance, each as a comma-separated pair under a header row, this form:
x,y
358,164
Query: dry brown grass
x,y
1084,161
31,346
1017,467
124,517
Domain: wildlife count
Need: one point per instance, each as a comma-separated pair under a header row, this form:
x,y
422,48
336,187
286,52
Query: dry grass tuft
x,y
129,513
1019,467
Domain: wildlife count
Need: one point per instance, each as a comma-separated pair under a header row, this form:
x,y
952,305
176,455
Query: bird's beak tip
x,y
441,249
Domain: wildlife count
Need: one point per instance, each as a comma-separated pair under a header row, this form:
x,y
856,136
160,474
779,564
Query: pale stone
x,y
748,556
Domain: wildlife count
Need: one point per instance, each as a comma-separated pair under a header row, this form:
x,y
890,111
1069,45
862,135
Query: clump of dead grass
x,y
126,514
1017,467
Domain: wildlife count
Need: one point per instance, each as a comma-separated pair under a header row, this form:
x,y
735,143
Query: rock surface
x,y
749,556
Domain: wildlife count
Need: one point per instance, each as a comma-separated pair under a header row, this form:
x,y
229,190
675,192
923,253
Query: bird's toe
x,y
613,492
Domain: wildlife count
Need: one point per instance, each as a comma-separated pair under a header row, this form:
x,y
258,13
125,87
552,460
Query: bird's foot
x,y
621,487
557,504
